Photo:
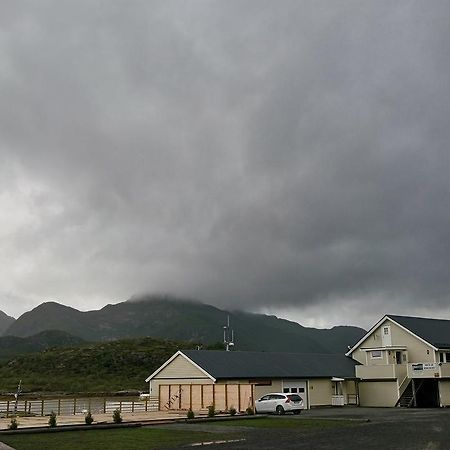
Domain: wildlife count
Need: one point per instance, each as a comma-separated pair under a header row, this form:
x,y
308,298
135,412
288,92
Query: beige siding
x,y
378,393
263,390
417,350
320,392
180,367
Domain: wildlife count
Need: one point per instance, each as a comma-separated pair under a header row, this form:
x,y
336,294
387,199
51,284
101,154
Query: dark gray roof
x,y
236,364
434,331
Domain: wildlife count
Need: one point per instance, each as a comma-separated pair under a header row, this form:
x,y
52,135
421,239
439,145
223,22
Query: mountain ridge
x,y
5,322
185,320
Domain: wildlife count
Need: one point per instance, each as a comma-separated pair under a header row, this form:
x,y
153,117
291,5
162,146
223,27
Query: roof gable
x,y
434,332
179,353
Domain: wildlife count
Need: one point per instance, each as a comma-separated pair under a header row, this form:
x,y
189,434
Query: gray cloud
x,y
287,158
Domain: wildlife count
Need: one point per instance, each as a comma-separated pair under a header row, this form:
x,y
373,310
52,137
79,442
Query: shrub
x,y
13,425
190,414
52,419
250,411
211,411
232,411
88,418
117,417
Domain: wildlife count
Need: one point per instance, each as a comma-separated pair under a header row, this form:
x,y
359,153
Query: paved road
x,y
393,428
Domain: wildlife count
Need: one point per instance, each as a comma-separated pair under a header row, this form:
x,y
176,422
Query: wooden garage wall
x,y
199,396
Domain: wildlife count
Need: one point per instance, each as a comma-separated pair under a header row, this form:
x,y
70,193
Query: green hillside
x,y
12,346
101,367
166,318
5,322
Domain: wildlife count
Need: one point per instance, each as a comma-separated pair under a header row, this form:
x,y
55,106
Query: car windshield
x,y
294,398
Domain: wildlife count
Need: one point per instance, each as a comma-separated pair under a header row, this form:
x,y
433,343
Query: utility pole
x,y
228,335
19,390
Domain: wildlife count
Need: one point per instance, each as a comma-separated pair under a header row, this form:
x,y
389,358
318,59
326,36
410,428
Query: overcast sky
x,y
289,157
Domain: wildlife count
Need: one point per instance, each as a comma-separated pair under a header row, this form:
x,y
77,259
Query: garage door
x,y
297,387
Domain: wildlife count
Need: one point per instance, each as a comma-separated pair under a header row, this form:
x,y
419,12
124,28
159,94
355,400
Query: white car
x,y
279,403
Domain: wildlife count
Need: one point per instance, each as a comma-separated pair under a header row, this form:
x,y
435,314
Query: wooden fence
x,y
74,406
174,397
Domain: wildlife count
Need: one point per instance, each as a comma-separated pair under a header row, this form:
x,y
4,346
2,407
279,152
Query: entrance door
x,y
386,340
398,357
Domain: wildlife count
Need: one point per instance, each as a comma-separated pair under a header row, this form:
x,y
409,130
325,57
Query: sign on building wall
x,y
420,370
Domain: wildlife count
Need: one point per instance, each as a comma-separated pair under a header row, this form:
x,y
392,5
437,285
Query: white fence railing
x,y
74,406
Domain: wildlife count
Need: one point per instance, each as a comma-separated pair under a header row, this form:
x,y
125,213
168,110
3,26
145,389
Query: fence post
x,y
132,406
226,397
74,406
7,408
89,404
146,405
239,397
59,406
104,406
42,408
120,405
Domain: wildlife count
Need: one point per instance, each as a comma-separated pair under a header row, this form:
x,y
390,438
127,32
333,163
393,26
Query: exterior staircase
x,y
406,400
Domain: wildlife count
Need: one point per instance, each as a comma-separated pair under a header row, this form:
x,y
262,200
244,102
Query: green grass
x,y
285,422
118,439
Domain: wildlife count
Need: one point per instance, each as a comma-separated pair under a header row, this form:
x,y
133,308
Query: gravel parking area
x,y
373,428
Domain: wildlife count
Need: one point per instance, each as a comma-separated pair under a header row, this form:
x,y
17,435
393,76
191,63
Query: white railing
x,y
337,400
74,406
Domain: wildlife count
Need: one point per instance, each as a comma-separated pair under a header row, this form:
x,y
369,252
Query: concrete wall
x,y
444,392
378,393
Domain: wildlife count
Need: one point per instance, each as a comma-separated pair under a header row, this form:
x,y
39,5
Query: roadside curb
x,y
221,418
61,428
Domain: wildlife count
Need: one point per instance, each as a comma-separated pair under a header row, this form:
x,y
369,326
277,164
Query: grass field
x,y
118,439
155,438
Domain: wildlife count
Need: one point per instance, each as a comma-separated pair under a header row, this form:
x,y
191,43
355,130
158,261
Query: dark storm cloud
x,y
251,154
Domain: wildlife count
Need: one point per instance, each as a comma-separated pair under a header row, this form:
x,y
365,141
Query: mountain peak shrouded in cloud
x,y
166,318
287,159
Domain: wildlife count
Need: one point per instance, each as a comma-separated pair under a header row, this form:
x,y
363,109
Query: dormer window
x,y
375,354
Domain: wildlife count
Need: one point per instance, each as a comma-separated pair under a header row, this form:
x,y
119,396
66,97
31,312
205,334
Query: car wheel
x,y
279,410
297,411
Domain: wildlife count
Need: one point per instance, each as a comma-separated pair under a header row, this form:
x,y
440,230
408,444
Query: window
x,y
447,357
285,390
294,390
441,357
386,330
375,354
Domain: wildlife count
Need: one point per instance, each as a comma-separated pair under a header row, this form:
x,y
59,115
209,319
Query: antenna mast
x,y
228,335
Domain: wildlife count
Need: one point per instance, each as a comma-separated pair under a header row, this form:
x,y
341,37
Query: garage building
x,y
197,379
